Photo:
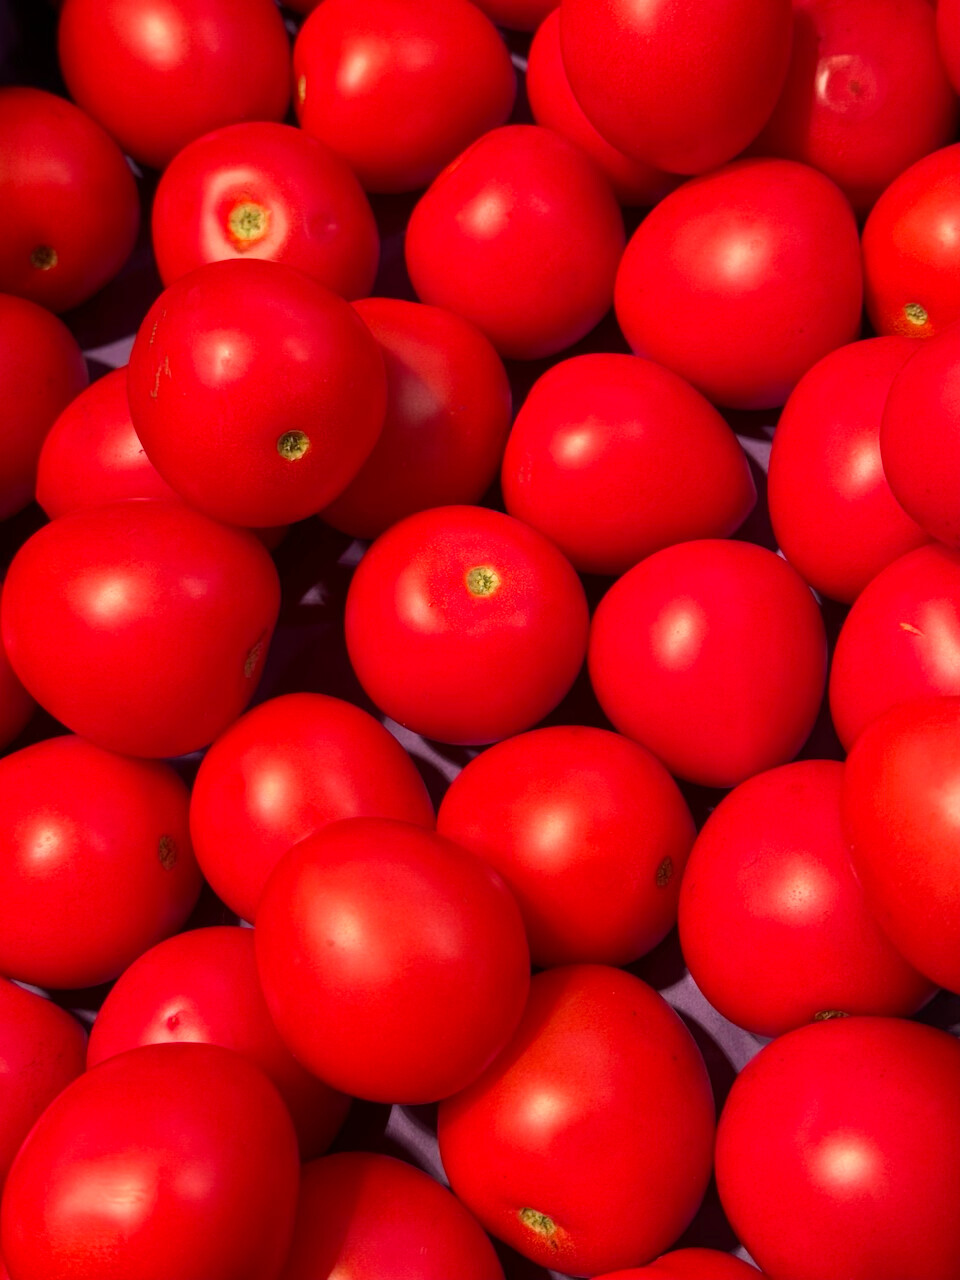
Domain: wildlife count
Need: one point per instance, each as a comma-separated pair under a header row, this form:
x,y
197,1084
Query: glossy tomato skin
x,y
16,705
281,772
590,833
126,623
521,235
596,432
810,1136
536,1147
518,15
202,987
448,417
948,38
465,625
361,1215
690,1264
400,87
159,73
712,654
832,510
742,280
173,1159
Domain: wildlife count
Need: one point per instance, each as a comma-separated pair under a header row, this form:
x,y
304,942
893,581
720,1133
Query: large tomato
x,y
690,1264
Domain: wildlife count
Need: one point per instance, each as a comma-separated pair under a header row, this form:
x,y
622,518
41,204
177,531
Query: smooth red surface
x,y
690,1264
518,15
159,73
522,236
175,1159
281,772
126,623
838,1152
448,415
742,280
460,660
711,654
16,705
613,458
394,963
400,87
948,38
590,833
536,1147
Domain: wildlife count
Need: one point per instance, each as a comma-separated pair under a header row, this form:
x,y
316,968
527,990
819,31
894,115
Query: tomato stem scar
x,y
293,445
44,257
482,580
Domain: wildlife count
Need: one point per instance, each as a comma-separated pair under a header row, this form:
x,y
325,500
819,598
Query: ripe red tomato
x,y
690,1264
518,15
174,1159
285,769
590,833
522,236
465,625
96,863
713,655
16,705
448,416
598,430
838,1152
159,73
128,624
741,281
948,38
400,87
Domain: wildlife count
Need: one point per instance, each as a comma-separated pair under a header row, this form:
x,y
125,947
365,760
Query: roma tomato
x,y
522,236
16,705
518,15
465,625
690,1264
948,38
127,623
742,280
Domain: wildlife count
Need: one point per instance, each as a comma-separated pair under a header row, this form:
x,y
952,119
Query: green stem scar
x,y
247,223
167,852
293,445
827,1015
541,1224
915,313
43,257
664,873
253,659
482,580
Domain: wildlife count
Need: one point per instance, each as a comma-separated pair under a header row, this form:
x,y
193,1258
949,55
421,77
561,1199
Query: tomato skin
x,y
16,705
590,833
948,38
284,770
400,87
521,235
690,1264
518,15
94,601
410,946
742,280
837,1152
596,431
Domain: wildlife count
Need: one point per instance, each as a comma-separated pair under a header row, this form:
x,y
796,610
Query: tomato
x,y
590,833
265,191
598,430
838,1152
71,209
522,236
741,281
126,623
285,769
448,416
690,1264
400,87
465,625
713,655
518,15
174,1159
159,73
684,87
832,511
362,1215
16,705
948,38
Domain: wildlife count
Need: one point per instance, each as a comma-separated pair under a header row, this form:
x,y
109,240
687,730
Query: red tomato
x,y
285,769
128,624
71,209
690,1264
743,280
96,864
590,833
159,73
448,416
362,1215
522,236
518,15
838,1152
833,514
174,1159
948,38
287,372
465,625
537,1150
202,987
713,655
16,705
41,370
265,191
400,87
684,87
599,430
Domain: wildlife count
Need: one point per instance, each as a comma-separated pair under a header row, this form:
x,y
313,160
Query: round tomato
x,y
948,38
16,705
690,1264
518,15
